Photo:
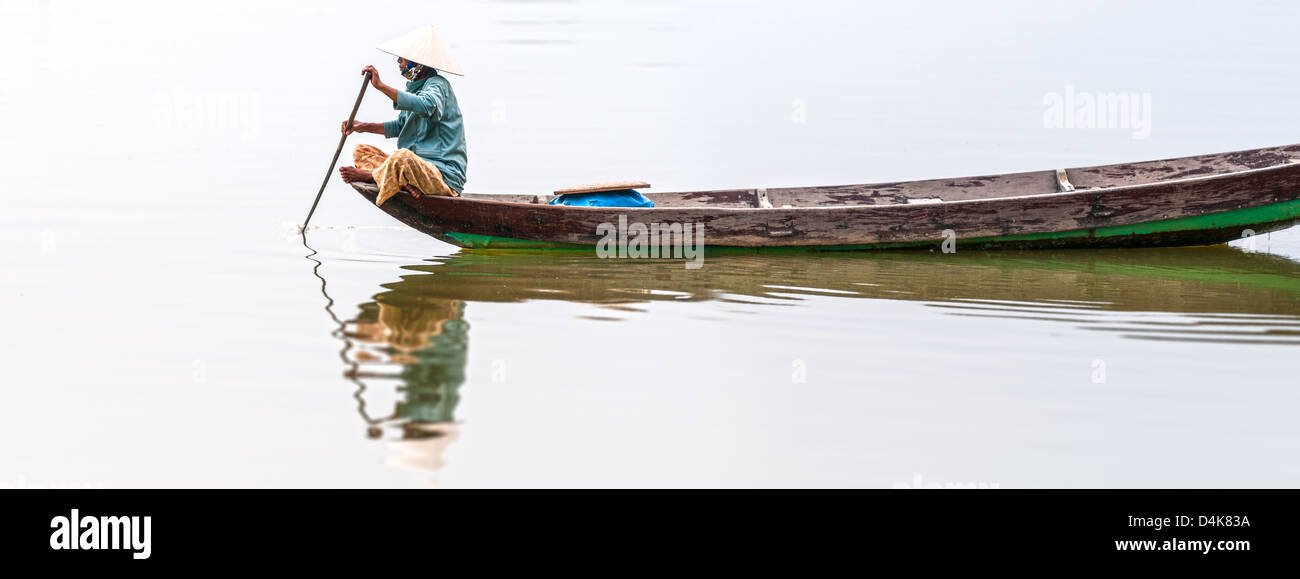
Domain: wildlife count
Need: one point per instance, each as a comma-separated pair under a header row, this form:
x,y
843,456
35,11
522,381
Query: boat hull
x,y
1198,210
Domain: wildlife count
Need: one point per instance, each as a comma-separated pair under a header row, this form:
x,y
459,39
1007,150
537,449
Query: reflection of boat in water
x,y
414,337
1211,279
1213,284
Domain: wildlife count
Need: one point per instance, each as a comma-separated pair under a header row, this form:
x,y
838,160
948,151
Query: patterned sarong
x,y
402,168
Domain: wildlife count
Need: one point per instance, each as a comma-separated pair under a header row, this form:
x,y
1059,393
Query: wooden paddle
x,y
343,138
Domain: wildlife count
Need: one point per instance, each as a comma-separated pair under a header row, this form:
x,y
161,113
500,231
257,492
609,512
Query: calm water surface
x,y
168,327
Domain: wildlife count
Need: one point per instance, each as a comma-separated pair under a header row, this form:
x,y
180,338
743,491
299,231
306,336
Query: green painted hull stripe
x,y
1288,210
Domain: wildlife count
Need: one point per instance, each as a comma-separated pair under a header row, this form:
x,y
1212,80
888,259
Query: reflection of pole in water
x,y
428,339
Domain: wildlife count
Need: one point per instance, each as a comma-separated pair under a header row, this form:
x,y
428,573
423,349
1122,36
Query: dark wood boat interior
x,y
964,188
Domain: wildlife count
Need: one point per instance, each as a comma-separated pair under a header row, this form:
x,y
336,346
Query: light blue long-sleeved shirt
x,y
430,126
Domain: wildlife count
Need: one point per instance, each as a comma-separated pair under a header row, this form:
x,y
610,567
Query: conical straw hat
x,y
423,46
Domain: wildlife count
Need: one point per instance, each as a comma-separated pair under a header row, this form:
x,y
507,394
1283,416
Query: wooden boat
x,y
1202,200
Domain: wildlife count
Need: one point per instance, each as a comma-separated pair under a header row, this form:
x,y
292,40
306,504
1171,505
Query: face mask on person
x,y
411,70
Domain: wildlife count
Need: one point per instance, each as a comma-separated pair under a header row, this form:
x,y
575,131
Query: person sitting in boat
x,y
430,157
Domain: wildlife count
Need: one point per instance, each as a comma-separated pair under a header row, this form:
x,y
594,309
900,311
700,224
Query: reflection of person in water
x,y
429,338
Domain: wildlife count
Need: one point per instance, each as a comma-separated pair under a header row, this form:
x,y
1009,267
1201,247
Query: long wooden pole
x,y
335,160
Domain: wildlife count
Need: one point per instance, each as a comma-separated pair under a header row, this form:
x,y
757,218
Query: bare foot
x,y
351,174
411,190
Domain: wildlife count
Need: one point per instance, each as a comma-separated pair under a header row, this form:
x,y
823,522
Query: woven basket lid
x,y
603,186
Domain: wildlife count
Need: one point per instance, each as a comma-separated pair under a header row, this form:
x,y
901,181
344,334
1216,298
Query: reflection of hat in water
x,y
423,46
422,446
